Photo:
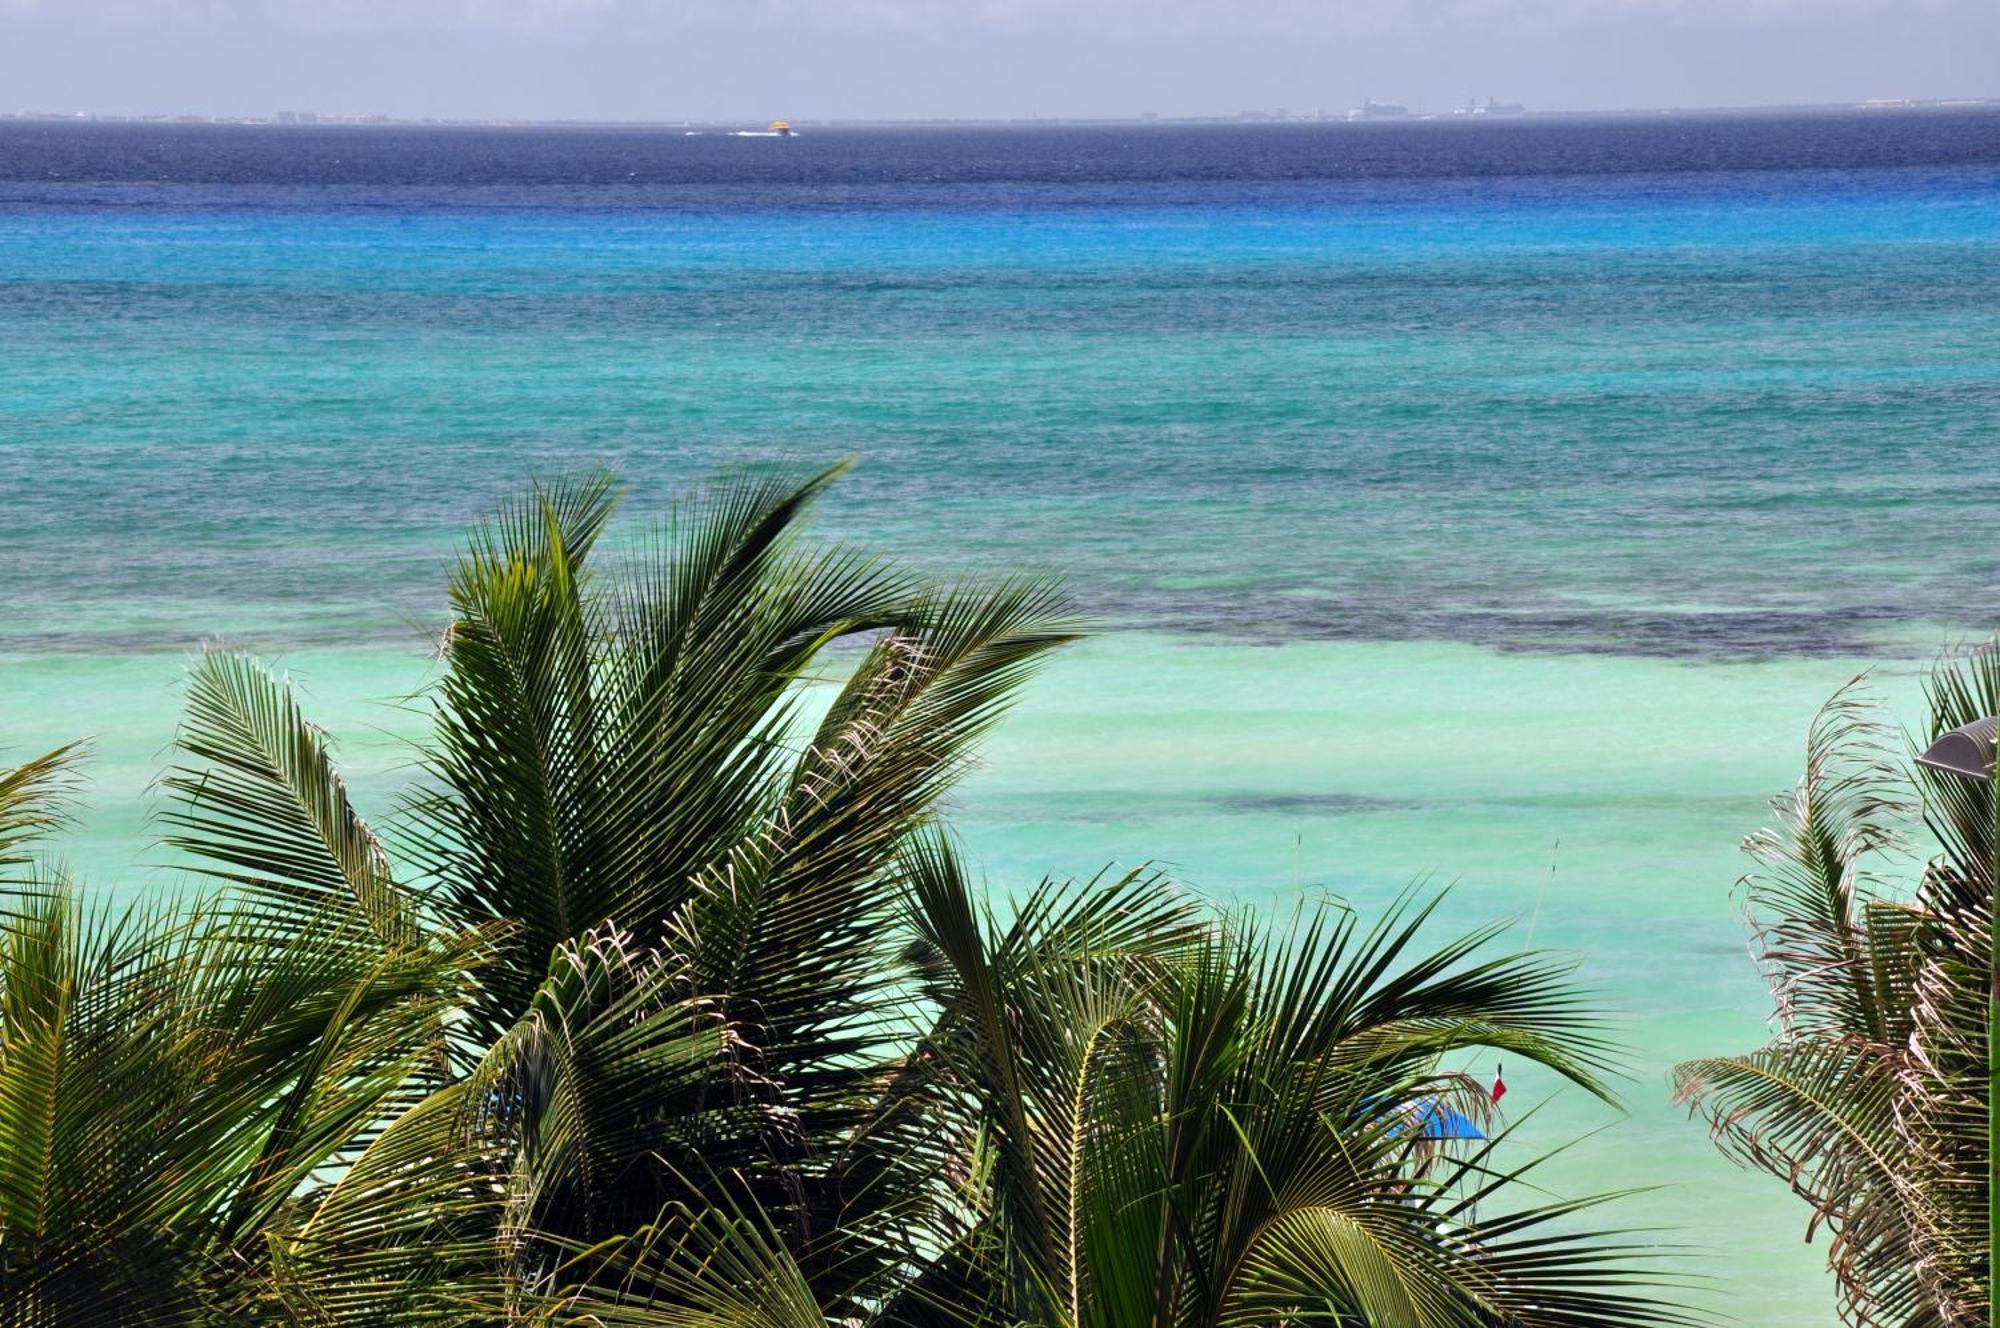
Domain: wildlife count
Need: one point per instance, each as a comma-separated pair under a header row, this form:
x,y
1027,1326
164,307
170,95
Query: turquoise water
x,y
1488,515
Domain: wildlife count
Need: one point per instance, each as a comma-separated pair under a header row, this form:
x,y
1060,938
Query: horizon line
x,y
305,117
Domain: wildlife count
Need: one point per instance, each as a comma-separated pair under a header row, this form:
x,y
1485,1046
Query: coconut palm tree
x,y
685,874
1203,1122
1870,1100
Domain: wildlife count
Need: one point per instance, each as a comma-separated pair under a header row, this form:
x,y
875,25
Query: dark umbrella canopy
x,y
1966,750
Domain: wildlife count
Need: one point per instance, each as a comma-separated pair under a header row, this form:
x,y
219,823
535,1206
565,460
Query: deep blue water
x,y
1620,385
971,166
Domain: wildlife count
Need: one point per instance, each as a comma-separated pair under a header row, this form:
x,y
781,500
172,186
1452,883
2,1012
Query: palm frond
x,y
1870,1102
713,1267
172,1076
1822,1116
35,798
603,739
1806,904
1199,1125
259,803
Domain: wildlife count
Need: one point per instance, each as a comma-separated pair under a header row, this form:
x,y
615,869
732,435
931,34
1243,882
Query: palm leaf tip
x,y
36,800
258,801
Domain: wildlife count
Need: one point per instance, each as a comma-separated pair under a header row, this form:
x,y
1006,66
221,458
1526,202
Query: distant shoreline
x,y
307,120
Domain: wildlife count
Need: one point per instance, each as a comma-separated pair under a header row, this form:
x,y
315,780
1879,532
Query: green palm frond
x,y
409,1232
1369,1002
603,738
170,1078
1303,1172
622,752
608,1077
34,801
787,928
1193,1125
713,1267
259,803
1032,1015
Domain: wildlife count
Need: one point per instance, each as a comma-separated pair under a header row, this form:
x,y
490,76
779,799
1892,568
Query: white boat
x,y
778,129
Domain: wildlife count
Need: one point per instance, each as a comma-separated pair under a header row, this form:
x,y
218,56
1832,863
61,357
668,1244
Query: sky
x,y
913,59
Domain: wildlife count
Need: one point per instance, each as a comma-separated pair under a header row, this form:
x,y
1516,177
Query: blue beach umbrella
x,y
1436,1121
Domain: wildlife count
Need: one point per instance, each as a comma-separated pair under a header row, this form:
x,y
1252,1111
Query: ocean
x,y
1489,504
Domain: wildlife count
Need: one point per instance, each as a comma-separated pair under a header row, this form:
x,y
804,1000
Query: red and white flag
x,y
1499,1086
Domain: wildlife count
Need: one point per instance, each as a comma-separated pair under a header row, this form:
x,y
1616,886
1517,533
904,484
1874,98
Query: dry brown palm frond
x,y
1870,1103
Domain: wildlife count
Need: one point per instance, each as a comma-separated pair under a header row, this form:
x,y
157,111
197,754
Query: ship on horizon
x,y
1379,110
1492,110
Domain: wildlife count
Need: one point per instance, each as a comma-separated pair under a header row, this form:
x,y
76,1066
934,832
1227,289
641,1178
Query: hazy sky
x,y
670,59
